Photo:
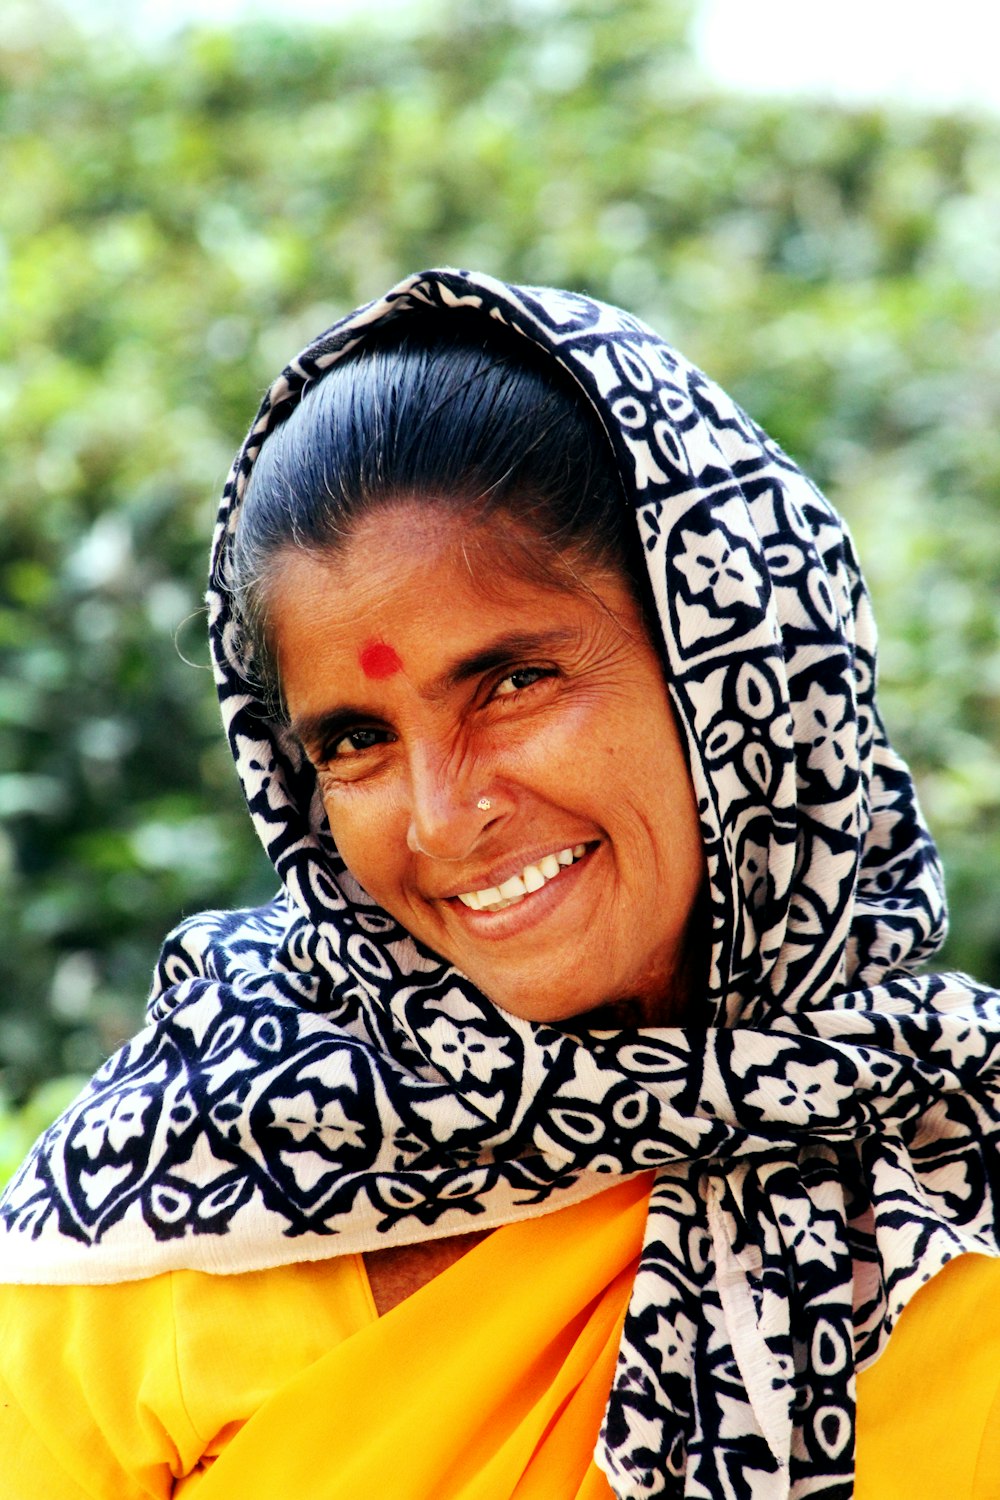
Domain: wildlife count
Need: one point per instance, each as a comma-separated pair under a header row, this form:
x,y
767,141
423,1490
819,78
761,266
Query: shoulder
x,y
929,1407
205,946
103,1386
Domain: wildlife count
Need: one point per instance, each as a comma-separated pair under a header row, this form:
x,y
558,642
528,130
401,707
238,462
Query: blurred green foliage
x,y
173,223
19,1126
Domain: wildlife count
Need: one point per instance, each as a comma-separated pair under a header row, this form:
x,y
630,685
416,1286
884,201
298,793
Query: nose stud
x,y
484,804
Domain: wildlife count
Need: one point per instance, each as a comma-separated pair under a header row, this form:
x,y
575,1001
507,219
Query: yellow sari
x,y
286,1385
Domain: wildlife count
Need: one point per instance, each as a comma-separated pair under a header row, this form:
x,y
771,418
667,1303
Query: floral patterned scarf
x,y
311,1081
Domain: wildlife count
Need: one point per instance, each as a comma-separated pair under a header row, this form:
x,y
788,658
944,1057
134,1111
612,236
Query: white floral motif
x,y
714,563
115,1121
801,1095
459,1050
831,736
302,1117
812,1238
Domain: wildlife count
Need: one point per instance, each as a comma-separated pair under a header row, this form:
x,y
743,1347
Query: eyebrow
x,y
321,728
501,652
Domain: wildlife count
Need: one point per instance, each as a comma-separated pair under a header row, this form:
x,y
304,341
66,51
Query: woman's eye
x,y
518,680
354,742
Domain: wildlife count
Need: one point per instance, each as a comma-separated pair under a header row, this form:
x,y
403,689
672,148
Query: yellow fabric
x,y
929,1408
286,1383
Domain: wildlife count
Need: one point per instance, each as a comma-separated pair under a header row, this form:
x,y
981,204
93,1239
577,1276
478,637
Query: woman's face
x,y
498,761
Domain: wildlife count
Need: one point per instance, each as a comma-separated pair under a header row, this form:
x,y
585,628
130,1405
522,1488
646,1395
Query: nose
x,y
448,810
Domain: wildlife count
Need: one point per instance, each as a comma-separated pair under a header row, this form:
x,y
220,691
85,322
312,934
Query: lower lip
x,y
530,909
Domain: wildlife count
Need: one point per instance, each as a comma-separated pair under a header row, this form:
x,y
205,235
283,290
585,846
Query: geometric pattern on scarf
x,y
312,1081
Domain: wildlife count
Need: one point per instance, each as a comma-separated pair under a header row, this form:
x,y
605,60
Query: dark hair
x,y
449,413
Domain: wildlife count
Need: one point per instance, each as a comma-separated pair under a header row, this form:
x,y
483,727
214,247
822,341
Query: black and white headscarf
x,y
312,1081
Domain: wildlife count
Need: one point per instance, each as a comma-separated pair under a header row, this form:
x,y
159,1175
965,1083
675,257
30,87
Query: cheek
x,y
366,837
660,791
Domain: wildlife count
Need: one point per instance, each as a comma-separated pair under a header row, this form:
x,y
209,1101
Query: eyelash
x,y
330,753
536,674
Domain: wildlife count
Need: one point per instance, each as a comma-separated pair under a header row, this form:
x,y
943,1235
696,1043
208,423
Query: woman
x,y
584,1040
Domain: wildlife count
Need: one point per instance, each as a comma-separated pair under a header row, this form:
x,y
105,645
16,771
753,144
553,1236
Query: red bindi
x,y
378,659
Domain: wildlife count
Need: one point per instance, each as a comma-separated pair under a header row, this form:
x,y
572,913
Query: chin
x,y
536,1001
616,1015
660,995
530,1008
544,1005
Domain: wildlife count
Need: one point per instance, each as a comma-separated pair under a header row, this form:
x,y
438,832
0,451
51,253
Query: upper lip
x,y
497,874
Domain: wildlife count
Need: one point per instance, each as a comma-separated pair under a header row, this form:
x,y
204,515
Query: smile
x,y
531,878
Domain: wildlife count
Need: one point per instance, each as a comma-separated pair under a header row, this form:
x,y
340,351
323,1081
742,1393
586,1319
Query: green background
x,y
176,220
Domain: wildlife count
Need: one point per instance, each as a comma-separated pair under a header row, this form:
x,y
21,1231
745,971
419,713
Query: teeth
x,y
531,878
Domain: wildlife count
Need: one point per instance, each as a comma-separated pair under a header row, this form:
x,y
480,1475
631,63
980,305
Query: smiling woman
x,y
432,556
575,1120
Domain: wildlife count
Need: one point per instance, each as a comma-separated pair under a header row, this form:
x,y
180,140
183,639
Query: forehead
x,y
412,589
395,550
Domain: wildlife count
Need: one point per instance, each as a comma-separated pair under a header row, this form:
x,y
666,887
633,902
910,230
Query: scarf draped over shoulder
x,y
311,1081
